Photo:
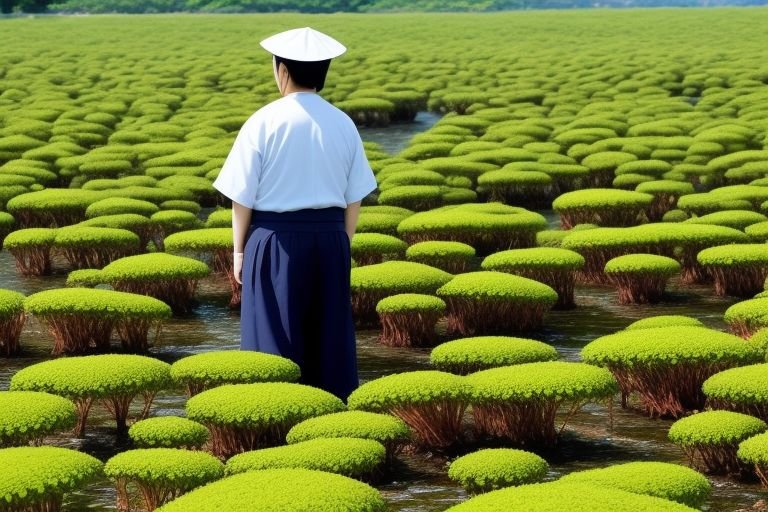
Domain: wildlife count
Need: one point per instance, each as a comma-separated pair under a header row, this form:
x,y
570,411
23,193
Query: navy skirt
x,y
296,298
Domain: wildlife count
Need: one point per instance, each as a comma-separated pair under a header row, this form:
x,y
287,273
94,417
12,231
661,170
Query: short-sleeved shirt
x,y
298,152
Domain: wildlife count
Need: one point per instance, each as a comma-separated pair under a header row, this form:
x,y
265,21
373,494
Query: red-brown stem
x,y
662,203
638,289
177,293
77,334
717,459
134,333
118,406
435,425
758,410
739,281
33,261
762,473
745,329
93,257
468,317
523,423
222,263
615,217
83,406
10,332
409,329
562,281
227,440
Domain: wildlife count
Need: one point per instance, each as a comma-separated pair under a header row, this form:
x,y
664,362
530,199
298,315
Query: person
x,y
296,175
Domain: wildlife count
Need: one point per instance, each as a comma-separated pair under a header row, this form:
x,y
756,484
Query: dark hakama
x,y
296,298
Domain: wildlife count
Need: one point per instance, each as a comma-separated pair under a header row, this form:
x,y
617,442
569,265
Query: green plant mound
x,y
370,248
643,264
210,369
747,317
737,219
52,207
388,430
218,218
758,232
31,248
754,451
168,432
199,241
410,303
520,402
710,439
109,378
161,474
453,257
84,278
660,479
667,365
243,417
483,302
738,269
469,355
409,319
12,320
664,321
558,496
133,222
538,258
348,456
40,476
29,416
604,207
286,490
119,205
93,247
381,219
490,469
743,389
640,278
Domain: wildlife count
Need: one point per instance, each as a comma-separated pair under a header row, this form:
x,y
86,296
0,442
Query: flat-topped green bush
x,y
52,207
168,432
747,317
666,193
220,218
496,468
488,302
7,223
519,403
84,278
167,222
29,416
416,176
531,189
566,496
348,456
754,451
133,222
112,379
664,321
453,166
8,192
555,237
431,403
552,266
468,355
82,319
737,219
381,219
371,283
661,479
706,203
604,207
710,439
93,247
31,250
243,417
368,111
666,366
152,194
172,279
117,205
453,257
201,188
743,389
630,181
487,227
181,204
287,490
640,278
210,369
738,269
12,320
758,232
412,197
409,319
391,432
603,165
42,475
371,248
155,476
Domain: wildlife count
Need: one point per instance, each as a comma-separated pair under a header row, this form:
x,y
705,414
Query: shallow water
x,y
420,482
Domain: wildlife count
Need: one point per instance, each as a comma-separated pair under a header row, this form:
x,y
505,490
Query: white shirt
x,y
297,152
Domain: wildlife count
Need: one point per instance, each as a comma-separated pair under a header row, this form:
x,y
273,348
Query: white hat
x,y
303,44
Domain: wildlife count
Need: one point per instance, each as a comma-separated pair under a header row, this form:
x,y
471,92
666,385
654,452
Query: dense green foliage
x,y
406,389
664,321
490,469
168,432
468,355
743,389
384,428
29,415
715,428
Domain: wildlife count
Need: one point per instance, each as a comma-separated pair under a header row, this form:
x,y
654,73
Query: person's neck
x,y
291,88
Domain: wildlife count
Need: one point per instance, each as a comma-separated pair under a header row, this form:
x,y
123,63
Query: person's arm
x,y
241,219
350,218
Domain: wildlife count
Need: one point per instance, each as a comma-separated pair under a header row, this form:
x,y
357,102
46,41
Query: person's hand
x,y
237,269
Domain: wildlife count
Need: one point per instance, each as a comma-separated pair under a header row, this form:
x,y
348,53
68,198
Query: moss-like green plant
x,y
7,223
386,429
118,205
552,266
431,403
412,197
531,189
486,227
665,321
603,165
566,496
666,193
31,249
172,279
81,319
743,389
51,207
243,417
666,366
133,222
640,278
210,369
381,219
754,451
737,219
159,475
604,207
42,475
490,469
288,490
168,432
92,247
747,317
488,302
371,283
738,269
112,379
519,402
468,355
453,257
85,278
409,319
758,232
220,218
182,204
371,248
12,319
368,111
710,439
663,480
29,416
348,456
167,222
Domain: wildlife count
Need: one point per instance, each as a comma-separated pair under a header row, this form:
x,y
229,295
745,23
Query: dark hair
x,y
306,74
